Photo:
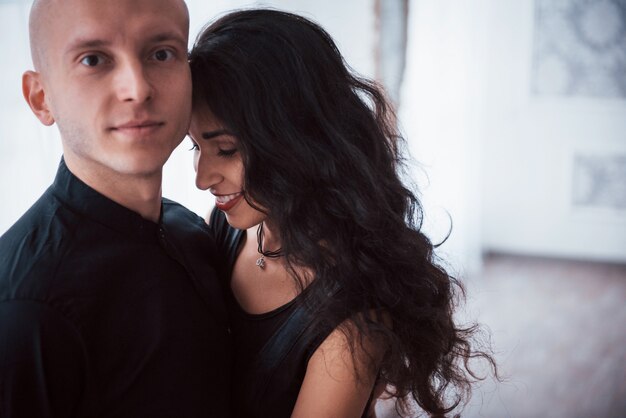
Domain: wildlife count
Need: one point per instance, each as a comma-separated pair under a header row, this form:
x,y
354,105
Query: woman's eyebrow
x,y
213,134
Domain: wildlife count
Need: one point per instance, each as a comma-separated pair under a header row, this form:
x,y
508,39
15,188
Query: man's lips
x,y
139,126
226,202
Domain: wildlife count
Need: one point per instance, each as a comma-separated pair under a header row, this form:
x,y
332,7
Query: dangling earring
x,y
260,262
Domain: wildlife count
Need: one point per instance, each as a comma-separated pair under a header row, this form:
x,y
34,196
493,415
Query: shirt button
x,y
162,236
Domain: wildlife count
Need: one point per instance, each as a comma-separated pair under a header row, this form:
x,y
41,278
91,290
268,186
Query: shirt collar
x,y
97,207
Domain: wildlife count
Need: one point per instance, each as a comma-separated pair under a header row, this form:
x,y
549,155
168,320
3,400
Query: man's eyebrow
x,y
167,36
86,43
216,133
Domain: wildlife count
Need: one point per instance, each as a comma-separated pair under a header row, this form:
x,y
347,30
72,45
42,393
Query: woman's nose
x,y
206,174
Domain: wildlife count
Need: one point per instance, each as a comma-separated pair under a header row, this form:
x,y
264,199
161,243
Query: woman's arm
x,y
337,383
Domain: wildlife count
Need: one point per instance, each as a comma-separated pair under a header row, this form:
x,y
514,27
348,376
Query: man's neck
x,y
139,193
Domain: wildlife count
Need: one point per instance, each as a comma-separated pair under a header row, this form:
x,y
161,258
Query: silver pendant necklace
x,y
260,262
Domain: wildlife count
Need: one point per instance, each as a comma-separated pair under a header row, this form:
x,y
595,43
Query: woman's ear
x,y
35,95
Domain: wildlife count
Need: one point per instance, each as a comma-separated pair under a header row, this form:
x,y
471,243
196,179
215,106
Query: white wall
x,y
497,157
529,149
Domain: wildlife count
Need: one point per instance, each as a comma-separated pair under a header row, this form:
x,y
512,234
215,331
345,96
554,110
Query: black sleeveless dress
x,y
271,350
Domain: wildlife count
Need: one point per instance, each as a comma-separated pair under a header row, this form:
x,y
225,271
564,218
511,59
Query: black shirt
x,y
271,350
106,314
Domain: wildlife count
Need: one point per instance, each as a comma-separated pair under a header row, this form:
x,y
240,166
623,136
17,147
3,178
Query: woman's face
x,y
219,168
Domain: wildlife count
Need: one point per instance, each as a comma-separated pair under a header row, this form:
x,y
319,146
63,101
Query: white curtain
x,y
443,117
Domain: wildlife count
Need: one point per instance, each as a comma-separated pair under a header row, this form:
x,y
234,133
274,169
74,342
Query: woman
x,y
334,291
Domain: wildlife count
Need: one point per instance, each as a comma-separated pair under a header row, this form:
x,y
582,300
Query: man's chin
x,y
136,165
139,169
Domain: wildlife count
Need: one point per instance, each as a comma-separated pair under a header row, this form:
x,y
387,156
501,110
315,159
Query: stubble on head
x,y
41,15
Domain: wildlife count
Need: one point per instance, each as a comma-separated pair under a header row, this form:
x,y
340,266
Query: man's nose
x,y
132,83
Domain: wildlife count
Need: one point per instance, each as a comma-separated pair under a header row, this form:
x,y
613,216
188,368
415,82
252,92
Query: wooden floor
x,y
559,332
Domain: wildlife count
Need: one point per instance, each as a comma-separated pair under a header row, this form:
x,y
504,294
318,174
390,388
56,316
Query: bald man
x,y
109,306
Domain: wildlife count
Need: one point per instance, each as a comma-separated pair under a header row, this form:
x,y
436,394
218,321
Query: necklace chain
x,y
260,262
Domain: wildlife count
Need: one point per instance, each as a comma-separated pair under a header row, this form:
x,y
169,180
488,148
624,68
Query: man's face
x,y
117,82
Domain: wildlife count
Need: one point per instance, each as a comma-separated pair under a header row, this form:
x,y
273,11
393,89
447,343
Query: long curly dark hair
x,y
322,153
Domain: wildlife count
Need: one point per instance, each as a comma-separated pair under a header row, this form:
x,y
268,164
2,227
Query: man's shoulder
x,y
30,233
194,243
184,224
174,212
31,250
44,205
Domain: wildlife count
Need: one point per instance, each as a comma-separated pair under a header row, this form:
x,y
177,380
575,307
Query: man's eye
x,y
163,55
92,60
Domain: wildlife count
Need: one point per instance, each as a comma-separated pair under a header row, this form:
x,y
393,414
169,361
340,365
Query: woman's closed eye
x,y
226,152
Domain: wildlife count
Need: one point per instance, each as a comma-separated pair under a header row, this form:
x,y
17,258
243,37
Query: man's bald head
x,y
46,14
37,25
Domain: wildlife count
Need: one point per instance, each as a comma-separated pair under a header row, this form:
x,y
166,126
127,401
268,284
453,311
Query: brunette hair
x,y
322,153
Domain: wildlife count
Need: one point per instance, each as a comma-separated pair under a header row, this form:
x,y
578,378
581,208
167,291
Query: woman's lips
x,y
227,201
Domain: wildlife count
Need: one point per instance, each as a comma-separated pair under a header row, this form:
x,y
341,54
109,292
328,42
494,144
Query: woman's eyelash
x,y
227,152
194,147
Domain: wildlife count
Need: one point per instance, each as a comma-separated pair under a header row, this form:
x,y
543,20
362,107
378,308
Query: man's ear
x,y
35,95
